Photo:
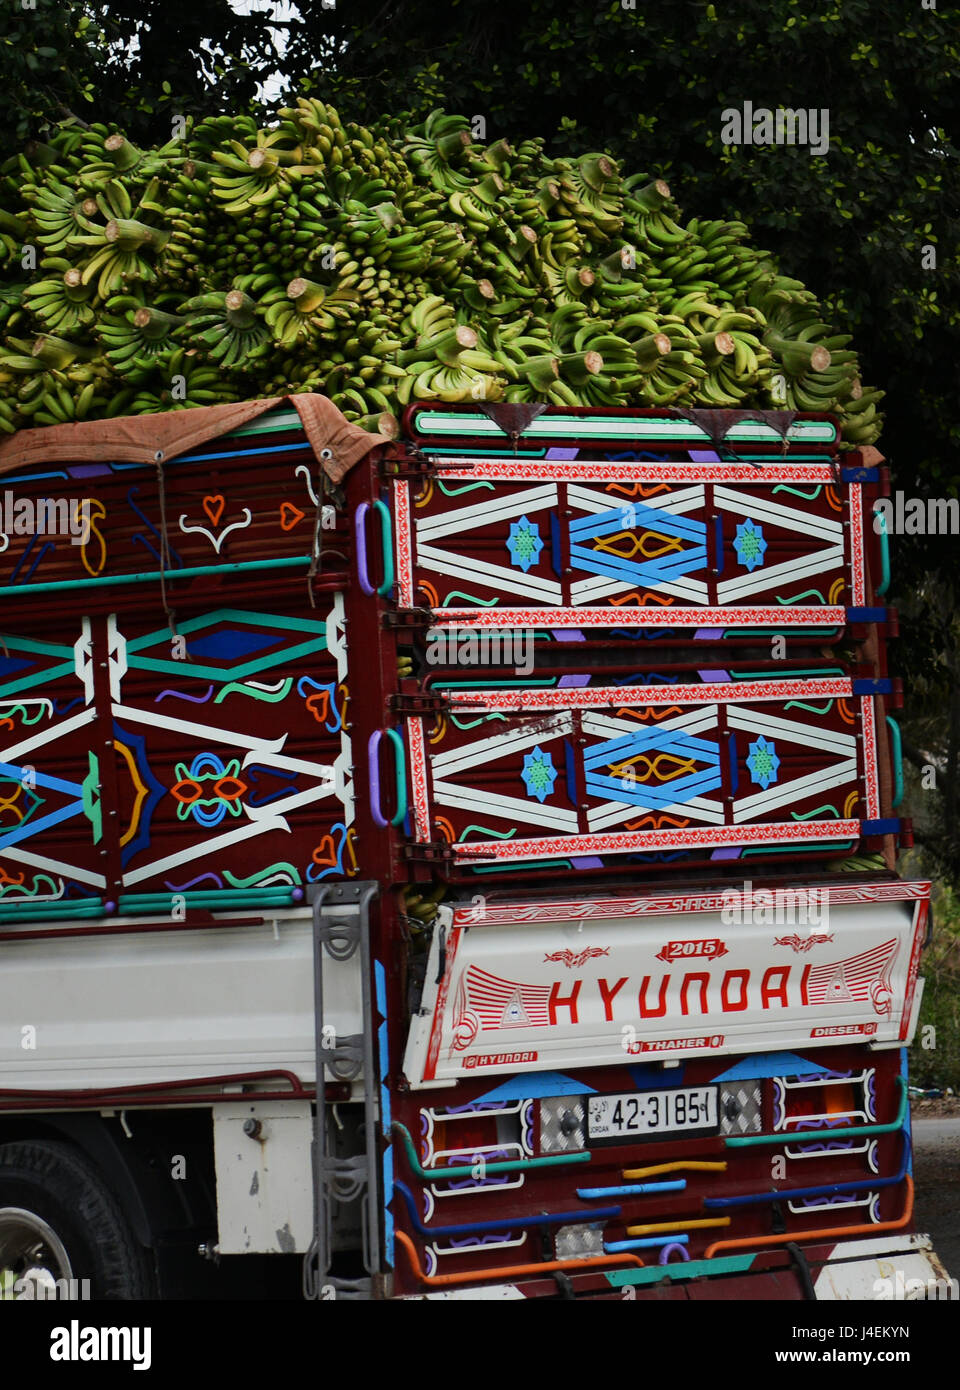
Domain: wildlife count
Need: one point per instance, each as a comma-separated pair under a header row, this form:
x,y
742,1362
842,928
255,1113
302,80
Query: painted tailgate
x,y
579,541
504,773
529,986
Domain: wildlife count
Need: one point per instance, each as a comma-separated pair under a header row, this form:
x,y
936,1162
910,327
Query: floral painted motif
x,y
763,762
524,543
209,790
750,545
539,774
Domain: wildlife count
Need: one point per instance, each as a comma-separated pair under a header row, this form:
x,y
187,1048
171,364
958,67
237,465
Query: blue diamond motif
x,y
524,543
763,762
750,544
539,774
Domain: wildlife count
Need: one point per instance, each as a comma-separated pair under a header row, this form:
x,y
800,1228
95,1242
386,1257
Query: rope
x,y
316,553
169,613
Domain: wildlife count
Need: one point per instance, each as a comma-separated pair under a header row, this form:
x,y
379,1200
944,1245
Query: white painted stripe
x,y
729,590
756,722
514,581
505,506
782,793
54,734
600,586
266,747
776,514
56,866
509,740
676,502
615,812
512,809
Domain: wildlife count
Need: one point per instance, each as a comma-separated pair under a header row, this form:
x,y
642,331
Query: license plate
x,y
640,1114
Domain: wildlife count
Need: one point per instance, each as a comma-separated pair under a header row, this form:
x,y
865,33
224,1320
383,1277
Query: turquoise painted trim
x,y
400,774
884,535
386,541
56,586
524,1165
897,745
28,911
807,1136
270,422
691,1269
620,427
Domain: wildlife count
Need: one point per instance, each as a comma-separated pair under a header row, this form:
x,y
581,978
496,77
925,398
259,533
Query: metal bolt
x,y
253,1128
569,1124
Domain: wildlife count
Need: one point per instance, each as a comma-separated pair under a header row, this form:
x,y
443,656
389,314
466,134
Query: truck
x,y
455,866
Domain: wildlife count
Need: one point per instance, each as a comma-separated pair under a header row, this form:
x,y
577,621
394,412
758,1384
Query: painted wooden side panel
x,y
581,539
140,764
585,770
231,501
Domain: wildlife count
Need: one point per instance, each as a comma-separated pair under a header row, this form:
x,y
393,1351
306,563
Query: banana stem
x,y
715,346
797,357
240,309
449,146
578,279
131,235
122,153
154,324
579,367
597,169
541,372
59,354
652,197
490,188
650,349
307,294
15,226
263,162
446,347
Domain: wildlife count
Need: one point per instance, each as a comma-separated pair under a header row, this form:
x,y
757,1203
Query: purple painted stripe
x,y
708,634
562,453
717,675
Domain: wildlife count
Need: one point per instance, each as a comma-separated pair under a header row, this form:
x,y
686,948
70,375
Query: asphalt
x,y
936,1172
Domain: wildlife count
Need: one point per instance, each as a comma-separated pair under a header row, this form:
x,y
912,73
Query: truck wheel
x,y
58,1221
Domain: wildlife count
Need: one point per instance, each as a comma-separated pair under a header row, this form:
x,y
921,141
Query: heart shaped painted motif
x,y
290,516
325,853
213,506
319,705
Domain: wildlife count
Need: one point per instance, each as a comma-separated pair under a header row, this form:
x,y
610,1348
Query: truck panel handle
x,y
373,777
897,746
386,540
882,532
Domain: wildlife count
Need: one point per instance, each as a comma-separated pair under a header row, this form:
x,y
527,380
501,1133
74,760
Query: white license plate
x,y
637,1114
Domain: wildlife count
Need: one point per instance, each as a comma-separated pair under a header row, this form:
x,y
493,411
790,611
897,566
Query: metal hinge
x,y
408,618
423,702
430,851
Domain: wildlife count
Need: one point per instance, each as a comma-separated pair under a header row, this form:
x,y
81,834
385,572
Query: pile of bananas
x,y
381,267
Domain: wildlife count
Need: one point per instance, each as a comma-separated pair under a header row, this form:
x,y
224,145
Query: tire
x,y
58,1216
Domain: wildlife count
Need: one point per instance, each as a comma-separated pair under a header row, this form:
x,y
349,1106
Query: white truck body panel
x,y
110,1011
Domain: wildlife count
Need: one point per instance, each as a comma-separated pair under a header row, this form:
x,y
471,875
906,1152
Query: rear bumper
x,y
892,1269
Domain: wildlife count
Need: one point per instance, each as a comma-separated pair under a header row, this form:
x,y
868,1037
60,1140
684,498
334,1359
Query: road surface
x,y
936,1170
